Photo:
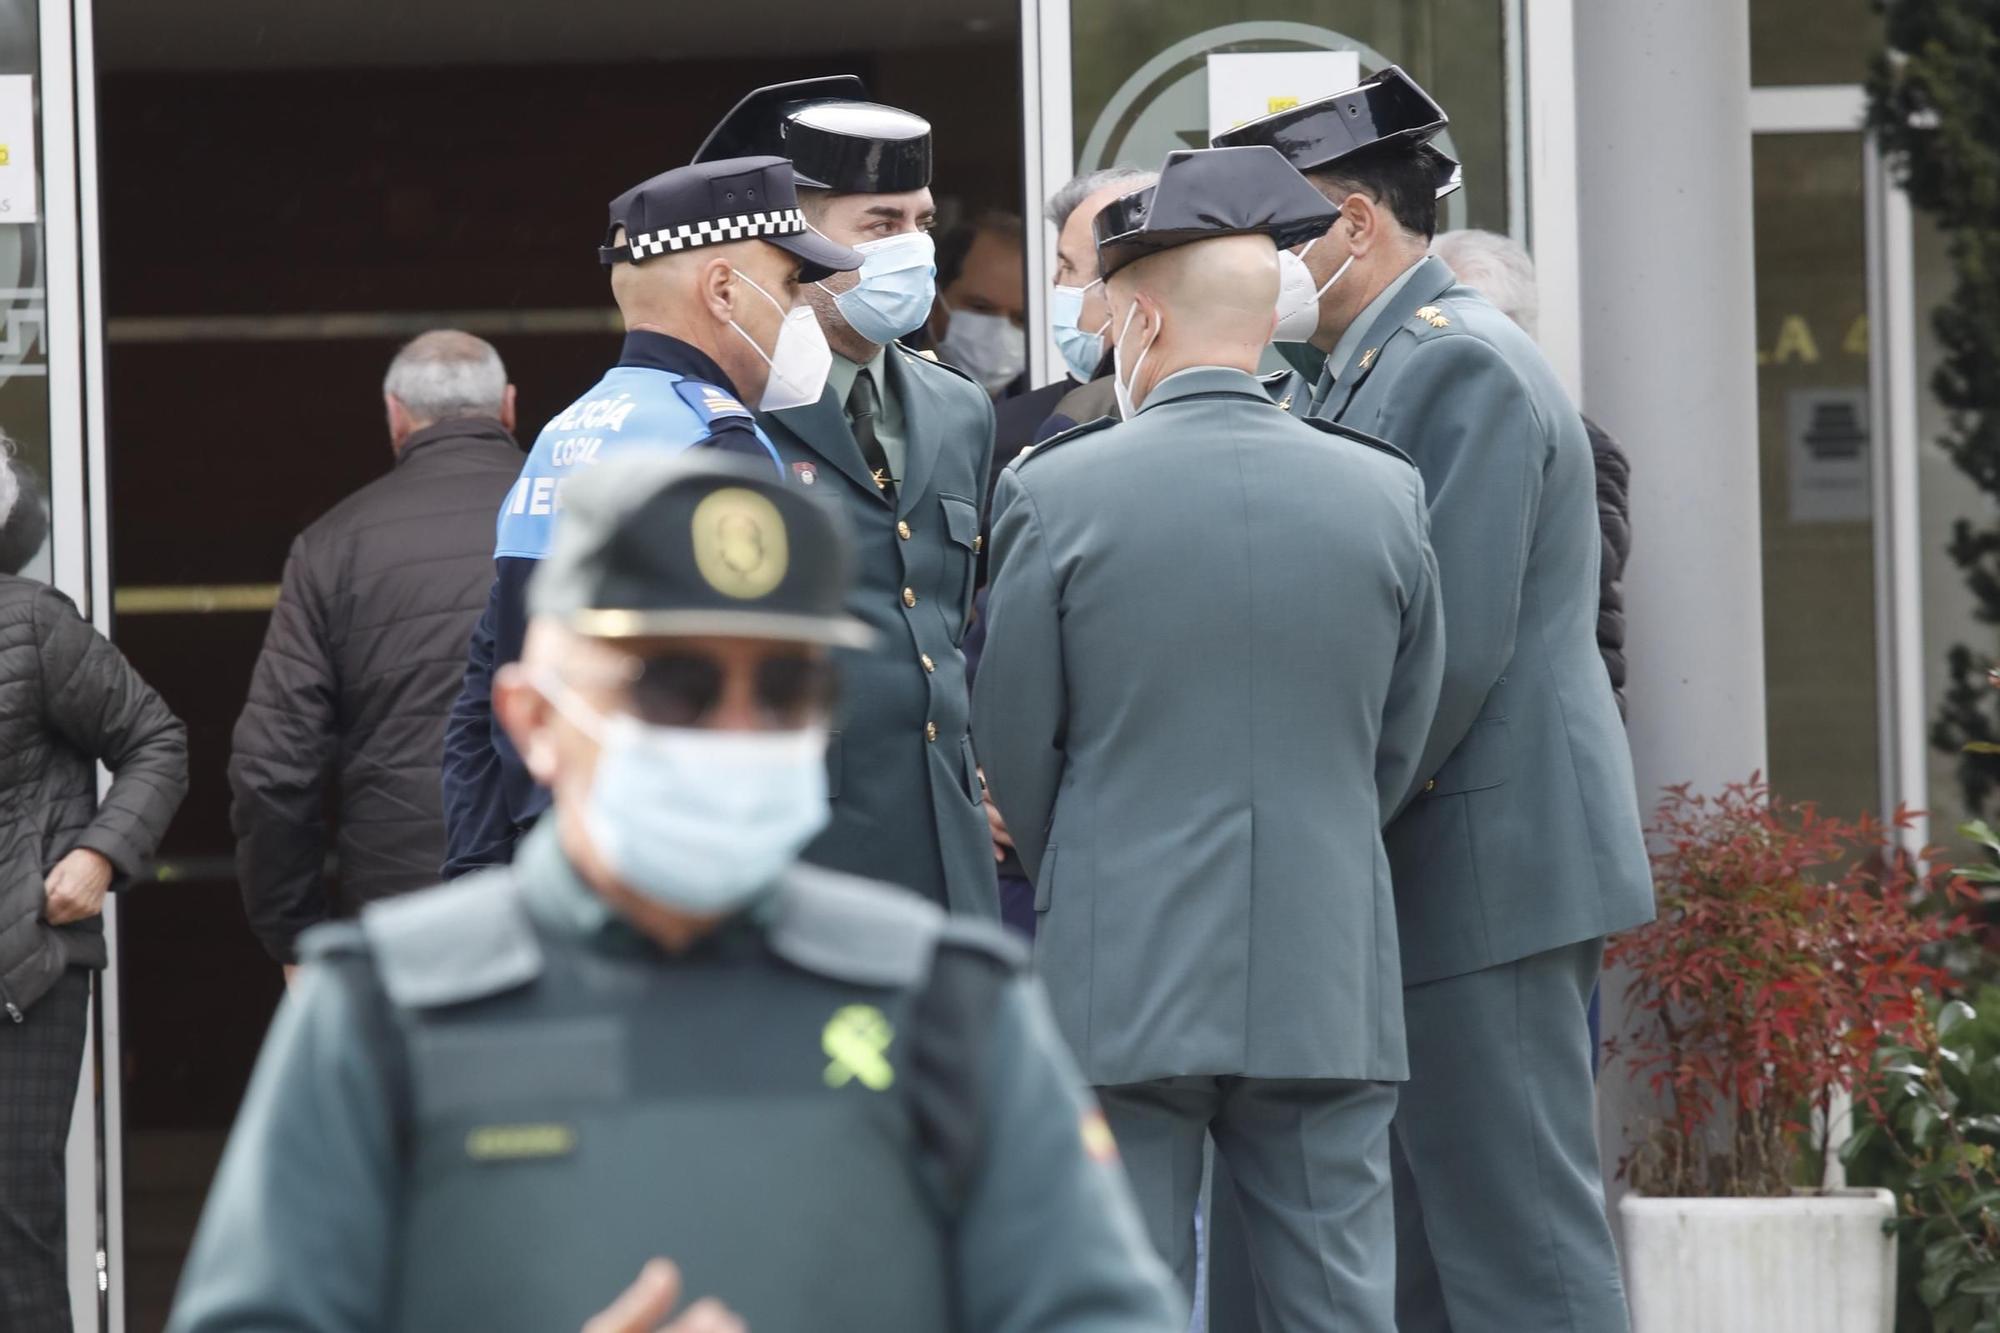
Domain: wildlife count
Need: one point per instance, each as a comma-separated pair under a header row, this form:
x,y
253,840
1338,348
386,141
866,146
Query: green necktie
x,y
862,405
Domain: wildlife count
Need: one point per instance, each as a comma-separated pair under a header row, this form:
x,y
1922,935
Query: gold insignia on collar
x,y
1368,357
1433,316
1285,403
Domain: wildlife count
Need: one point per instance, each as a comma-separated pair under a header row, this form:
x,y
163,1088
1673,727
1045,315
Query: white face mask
x,y
1127,408
1298,299
700,821
990,348
799,362
893,291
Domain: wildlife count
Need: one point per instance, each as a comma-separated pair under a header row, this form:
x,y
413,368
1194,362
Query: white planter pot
x,y
1815,1263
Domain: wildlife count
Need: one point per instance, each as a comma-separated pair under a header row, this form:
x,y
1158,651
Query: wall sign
x,y
17,148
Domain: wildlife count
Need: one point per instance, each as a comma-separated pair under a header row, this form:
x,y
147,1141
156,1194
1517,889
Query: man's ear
x,y
716,288
528,718
507,414
1363,218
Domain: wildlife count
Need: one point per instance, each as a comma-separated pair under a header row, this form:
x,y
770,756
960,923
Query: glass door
x,y
50,354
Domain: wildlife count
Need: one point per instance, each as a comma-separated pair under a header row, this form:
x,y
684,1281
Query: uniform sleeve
x,y
93,698
1419,672
280,758
1019,705
1463,414
1050,1237
301,1229
479,821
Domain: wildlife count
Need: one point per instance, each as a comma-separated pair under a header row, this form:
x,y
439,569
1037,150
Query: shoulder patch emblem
x,y
856,1041
1434,317
710,401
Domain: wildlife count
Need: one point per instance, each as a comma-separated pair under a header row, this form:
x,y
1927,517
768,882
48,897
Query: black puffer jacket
x,y
67,700
365,650
1614,521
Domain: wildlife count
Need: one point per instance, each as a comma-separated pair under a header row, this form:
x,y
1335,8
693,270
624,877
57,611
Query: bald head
x,y
1210,303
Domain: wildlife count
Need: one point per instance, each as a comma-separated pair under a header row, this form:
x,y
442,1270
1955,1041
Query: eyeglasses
x,y
681,689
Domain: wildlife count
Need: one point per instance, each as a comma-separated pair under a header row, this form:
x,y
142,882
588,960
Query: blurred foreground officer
x,y
366,650
1524,850
486,1106
900,443
706,264
1216,930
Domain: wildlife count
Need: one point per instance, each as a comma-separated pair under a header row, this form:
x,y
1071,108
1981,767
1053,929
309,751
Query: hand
x,y
291,975
76,887
647,1301
996,824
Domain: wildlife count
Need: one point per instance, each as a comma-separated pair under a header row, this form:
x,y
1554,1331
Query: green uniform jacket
x,y
900,767
1214,649
486,1106
1526,836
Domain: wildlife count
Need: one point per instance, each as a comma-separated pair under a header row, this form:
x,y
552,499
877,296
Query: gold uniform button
x,y
903,530
978,544
909,597
1431,785
930,731
925,658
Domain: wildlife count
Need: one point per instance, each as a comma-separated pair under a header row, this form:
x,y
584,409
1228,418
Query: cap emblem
x,y
739,543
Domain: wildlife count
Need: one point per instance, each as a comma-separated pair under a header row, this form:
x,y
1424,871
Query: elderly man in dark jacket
x,y
68,700
366,648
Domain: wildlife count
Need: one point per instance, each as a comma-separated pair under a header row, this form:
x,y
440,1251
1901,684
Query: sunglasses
x,y
682,689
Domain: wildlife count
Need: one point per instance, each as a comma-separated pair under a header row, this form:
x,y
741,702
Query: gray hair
x,y
1496,267
446,373
1064,201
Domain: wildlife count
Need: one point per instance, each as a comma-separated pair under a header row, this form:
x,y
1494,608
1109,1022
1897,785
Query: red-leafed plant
x,y
1788,947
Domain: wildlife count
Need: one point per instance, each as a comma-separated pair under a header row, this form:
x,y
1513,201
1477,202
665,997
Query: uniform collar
x,y
1196,380
659,351
1350,341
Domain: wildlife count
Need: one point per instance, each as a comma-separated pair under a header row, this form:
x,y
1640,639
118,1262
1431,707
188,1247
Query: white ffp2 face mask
x,y
1298,298
799,362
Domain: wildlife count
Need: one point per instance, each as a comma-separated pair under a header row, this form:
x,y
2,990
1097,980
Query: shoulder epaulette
x,y
1087,428
853,929
935,362
1359,437
467,940
1426,320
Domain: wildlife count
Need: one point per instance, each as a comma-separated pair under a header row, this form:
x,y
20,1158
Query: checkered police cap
x,y
717,203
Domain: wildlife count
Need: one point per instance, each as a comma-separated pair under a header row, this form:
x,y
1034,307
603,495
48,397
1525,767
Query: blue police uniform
x,y
663,394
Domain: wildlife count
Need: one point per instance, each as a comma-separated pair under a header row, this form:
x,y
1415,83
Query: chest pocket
x,y
961,524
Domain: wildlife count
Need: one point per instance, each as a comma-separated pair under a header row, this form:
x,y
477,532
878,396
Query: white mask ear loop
x,y
1345,264
782,312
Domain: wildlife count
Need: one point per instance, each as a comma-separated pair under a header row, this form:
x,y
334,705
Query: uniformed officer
x,y
1213,654
902,444
486,1105
1524,849
706,263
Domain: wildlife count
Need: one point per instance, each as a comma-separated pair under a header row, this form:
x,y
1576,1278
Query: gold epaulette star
x,y
1433,316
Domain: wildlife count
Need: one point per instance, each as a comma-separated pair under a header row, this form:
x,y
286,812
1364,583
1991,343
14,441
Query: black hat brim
x,y
819,257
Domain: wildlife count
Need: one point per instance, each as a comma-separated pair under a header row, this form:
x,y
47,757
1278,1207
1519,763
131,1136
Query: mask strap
x,y
1335,278
570,704
782,315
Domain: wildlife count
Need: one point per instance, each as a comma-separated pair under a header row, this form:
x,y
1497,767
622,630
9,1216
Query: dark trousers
x,y
41,1058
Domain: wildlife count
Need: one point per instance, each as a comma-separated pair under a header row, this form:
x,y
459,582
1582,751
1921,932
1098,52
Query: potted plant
x,y
1789,948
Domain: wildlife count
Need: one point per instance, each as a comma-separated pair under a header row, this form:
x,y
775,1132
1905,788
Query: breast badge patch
x,y
806,473
856,1041
739,543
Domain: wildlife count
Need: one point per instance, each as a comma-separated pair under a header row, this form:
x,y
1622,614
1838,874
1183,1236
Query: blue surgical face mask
x,y
894,287
698,820
1082,352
